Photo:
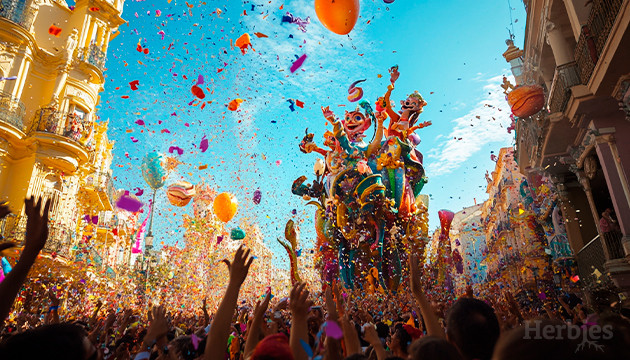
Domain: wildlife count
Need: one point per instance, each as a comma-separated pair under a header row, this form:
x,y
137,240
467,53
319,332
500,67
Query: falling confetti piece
x,y
198,92
260,35
203,146
298,63
134,85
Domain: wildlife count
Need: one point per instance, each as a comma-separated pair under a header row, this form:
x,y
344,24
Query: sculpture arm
x,y
388,106
375,145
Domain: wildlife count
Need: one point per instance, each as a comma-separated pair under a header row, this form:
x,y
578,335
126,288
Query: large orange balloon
x,y
225,205
338,16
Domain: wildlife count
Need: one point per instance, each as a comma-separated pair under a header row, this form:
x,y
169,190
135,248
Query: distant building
x,y
468,240
579,52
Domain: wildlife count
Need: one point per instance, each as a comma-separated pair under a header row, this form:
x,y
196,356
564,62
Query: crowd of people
x,y
335,323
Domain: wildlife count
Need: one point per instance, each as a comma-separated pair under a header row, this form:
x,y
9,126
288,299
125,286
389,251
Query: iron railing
x,y
566,76
590,258
93,55
50,120
613,244
18,11
11,110
594,35
59,241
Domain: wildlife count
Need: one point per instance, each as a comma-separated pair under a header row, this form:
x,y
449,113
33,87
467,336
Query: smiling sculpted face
x,y
413,103
355,124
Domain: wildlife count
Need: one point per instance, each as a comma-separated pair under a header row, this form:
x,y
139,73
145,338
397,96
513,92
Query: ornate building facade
x,y
468,242
578,51
52,58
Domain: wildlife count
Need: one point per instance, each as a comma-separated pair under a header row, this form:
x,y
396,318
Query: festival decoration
x,y
225,206
524,100
257,197
291,248
338,16
152,170
355,93
180,193
369,213
128,203
237,234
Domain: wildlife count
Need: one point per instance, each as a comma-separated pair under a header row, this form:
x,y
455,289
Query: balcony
x,y
100,190
566,76
59,241
93,55
18,12
11,111
70,126
594,36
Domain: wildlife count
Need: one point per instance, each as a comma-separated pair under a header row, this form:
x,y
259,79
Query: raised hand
x,y
36,225
328,114
299,304
158,326
239,267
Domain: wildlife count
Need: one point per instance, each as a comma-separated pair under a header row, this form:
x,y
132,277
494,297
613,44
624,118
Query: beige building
x,y
52,60
579,51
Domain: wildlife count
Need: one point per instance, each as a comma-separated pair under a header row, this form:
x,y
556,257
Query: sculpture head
x,y
414,103
355,123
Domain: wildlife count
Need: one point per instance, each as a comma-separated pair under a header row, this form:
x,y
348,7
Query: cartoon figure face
x,y
412,104
355,123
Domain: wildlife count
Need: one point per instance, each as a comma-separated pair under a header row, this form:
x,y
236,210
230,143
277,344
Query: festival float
x,y
369,213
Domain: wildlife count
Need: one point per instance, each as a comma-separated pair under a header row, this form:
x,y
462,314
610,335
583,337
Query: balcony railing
x,y
566,76
18,11
594,35
59,241
11,110
93,55
590,258
52,121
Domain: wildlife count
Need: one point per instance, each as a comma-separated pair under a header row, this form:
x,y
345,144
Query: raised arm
x,y
299,305
220,328
36,236
375,145
430,319
253,333
388,105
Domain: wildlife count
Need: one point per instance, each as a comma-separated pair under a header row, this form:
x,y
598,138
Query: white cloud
x,y
465,140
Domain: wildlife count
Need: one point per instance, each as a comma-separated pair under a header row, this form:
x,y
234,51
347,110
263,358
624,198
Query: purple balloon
x,y
388,1
257,197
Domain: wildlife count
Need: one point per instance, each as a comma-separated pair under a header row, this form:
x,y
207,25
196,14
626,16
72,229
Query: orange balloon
x,y
338,16
225,205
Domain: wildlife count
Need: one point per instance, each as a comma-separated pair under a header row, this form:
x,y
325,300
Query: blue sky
x,y
450,51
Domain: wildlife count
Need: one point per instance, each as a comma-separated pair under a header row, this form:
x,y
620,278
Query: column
x,y
569,215
617,182
85,29
562,52
26,65
90,33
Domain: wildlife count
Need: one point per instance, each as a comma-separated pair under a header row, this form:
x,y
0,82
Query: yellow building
x,y
50,143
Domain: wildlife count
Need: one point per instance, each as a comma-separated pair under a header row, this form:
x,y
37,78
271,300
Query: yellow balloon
x,y
225,205
338,16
